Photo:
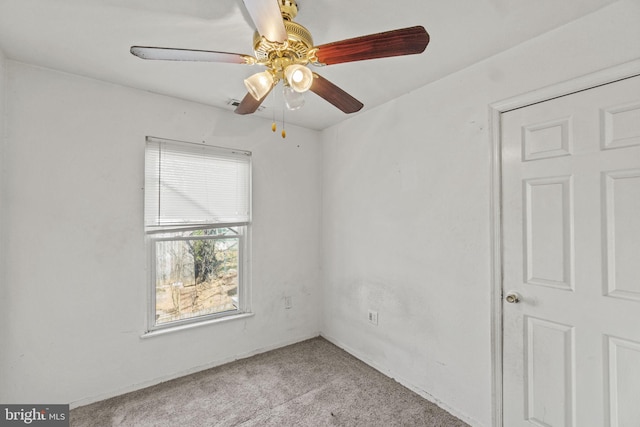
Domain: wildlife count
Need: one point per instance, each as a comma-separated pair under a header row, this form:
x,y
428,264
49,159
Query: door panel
x,y
571,253
548,232
622,228
550,381
624,382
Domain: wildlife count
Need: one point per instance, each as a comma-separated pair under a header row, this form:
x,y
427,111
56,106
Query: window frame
x,y
156,234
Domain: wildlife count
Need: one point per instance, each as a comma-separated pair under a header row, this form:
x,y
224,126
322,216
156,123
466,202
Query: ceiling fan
x,y
285,48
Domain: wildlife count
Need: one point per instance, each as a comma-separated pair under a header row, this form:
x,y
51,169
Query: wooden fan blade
x,y
333,94
171,54
249,104
406,41
268,19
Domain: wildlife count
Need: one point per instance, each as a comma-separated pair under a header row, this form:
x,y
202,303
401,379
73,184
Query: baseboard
x,y
408,384
155,381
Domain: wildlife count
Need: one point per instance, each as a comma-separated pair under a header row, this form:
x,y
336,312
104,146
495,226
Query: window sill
x,y
169,330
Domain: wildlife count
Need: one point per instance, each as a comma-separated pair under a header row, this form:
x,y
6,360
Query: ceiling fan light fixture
x,y
294,100
259,84
299,77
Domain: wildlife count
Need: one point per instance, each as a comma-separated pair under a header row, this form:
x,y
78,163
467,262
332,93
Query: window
x,y
197,217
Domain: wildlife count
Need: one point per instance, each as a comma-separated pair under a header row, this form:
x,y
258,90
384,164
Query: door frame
x,y
579,84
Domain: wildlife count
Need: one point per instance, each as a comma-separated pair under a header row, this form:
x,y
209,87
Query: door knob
x,y
512,297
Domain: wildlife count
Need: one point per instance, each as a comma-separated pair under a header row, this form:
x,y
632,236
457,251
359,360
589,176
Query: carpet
x,y
311,383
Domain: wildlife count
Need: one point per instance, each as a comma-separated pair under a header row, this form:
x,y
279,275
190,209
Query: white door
x,y
571,260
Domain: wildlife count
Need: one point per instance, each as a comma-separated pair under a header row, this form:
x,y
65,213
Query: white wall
x,y
406,213
74,294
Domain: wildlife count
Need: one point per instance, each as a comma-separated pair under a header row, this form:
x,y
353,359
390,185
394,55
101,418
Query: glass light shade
x,y
293,99
299,77
259,84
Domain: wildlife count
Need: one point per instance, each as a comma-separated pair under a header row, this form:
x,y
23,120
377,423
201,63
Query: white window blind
x,y
194,184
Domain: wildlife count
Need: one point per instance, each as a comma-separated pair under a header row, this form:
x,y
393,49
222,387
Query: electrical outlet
x,y
373,317
287,302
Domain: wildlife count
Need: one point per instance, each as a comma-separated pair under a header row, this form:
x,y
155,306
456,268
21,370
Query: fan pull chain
x,y
273,125
284,132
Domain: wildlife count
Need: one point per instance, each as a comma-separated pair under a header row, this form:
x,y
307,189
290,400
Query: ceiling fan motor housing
x,y
276,56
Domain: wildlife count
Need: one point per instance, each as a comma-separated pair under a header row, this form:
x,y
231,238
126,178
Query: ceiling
x,y
92,38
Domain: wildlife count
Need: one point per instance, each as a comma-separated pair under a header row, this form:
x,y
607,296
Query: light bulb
x,y
297,76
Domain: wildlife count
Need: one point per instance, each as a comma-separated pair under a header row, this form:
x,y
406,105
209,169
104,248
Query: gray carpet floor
x,y
312,383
